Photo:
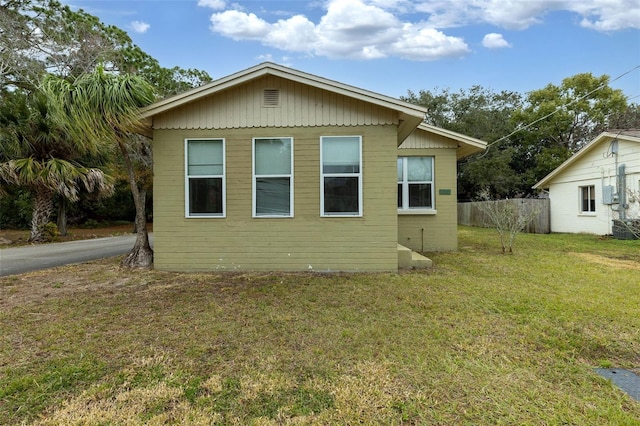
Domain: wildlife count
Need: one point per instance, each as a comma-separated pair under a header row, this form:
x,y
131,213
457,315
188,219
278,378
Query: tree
x,y
557,121
477,112
627,119
490,171
40,37
528,137
482,114
106,106
38,156
44,36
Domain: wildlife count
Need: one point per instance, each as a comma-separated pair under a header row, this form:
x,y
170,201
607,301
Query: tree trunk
x,y
62,216
41,213
141,255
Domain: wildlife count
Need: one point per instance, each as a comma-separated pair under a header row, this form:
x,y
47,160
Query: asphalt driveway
x,y
35,257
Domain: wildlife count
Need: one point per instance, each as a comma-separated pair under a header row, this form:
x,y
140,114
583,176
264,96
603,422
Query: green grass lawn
x,y
482,338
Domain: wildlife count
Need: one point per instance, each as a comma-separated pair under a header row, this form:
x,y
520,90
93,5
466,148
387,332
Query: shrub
x,y
50,231
506,217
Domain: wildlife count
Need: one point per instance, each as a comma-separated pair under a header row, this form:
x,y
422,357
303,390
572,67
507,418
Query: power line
x,y
560,108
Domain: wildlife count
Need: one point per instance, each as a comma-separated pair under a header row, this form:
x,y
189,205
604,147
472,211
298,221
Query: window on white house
x,y
588,199
415,183
273,177
341,176
204,176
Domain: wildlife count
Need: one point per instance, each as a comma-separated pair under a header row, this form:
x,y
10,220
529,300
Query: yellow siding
x,y
421,139
301,105
304,242
424,233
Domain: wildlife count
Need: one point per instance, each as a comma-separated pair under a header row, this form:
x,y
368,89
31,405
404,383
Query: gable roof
x,y
410,115
632,135
466,144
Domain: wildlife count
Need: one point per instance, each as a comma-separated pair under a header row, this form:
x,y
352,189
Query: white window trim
x,y
586,212
254,177
418,211
405,209
186,181
358,175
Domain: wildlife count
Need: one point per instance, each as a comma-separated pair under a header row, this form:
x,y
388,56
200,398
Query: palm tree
x,y
106,107
39,156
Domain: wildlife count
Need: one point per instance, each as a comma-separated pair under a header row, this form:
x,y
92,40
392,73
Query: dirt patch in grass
x,y
608,261
40,286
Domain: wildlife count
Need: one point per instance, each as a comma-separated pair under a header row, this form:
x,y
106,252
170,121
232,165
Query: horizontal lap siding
x,y
564,202
304,242
433,232
600,162
597,167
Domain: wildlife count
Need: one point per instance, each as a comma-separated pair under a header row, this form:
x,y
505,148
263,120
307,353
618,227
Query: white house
x,y
598,184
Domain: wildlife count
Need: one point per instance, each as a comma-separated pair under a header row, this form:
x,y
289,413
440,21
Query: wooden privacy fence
x,y
471,215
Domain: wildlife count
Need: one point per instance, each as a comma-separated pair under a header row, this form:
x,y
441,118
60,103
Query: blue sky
x,y
392,46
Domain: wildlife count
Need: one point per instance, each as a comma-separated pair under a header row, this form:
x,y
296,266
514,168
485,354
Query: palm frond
x,y
99,106
7,176
95,180
60,176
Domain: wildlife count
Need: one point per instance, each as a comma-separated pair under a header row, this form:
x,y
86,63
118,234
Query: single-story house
x,y
597,185
272,168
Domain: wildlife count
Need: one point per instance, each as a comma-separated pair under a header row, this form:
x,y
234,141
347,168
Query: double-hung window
x,y
204,180
341,176
588,199
273,177
415,183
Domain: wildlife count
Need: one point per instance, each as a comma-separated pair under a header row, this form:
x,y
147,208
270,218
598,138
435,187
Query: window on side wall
x,y
588,199
273,177
415,183
204,178
341,176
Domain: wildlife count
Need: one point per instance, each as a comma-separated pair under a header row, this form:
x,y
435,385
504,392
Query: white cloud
x,y
425,44
349,29
410,29
609,16
494,41
139,27
511,14
601,15
213,4
399,5
516,14
295,34
353,29
239,25
268,57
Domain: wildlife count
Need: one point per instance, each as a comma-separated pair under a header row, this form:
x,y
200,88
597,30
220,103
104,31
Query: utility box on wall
x,y
609,195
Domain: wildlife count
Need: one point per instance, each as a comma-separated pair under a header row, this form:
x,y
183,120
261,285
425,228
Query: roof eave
x,y
407,125
201,91
545,181
466,144
467,150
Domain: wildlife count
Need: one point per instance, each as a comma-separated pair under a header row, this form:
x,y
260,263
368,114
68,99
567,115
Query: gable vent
x,y
271,98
